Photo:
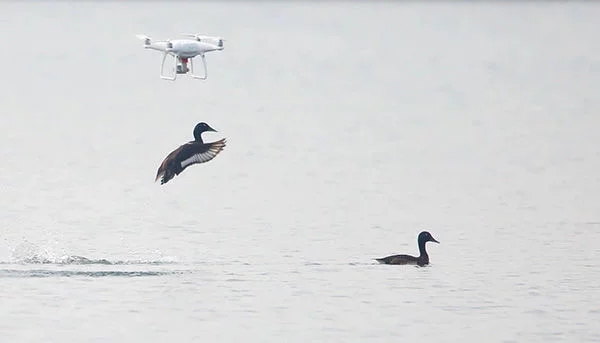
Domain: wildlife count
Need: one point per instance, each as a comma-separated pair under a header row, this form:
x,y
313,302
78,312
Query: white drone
x,y
184,50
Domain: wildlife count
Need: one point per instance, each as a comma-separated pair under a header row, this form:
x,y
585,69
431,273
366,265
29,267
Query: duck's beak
x,y
433,240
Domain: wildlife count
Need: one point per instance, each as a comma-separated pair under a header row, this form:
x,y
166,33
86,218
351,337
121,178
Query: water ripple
x,y
80,260
40,273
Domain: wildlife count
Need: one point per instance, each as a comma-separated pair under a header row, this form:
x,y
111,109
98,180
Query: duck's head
x,y
425,236
201,127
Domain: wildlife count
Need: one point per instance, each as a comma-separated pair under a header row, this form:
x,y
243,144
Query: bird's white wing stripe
x,y
202,157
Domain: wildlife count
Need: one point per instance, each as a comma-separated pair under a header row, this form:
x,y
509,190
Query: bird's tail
x,y
166,176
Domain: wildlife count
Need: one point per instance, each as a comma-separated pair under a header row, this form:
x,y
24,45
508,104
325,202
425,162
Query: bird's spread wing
x,y
201,154
189,154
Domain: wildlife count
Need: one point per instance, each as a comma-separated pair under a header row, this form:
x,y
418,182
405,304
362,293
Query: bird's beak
x,y
433,240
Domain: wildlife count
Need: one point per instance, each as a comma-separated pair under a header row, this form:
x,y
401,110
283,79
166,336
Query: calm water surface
x,y
350,129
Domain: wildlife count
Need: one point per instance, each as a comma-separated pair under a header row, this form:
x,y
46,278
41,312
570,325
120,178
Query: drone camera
x,y
182,69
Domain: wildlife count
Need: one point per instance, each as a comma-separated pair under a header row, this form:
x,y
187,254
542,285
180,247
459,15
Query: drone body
x,y
184,50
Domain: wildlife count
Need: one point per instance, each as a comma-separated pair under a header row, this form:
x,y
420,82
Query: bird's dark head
x,y
425,236
201,127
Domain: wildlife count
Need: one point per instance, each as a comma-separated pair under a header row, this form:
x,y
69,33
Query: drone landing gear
x,y
205,72
162,67
181,67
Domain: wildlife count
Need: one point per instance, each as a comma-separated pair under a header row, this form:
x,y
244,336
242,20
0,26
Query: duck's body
x,y
404,259
421,260
188,154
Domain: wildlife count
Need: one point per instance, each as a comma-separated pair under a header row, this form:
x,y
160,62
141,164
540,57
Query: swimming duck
x,y
423,258
189,153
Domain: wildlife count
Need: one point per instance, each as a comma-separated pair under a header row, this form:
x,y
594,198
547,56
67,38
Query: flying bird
x,y
190,153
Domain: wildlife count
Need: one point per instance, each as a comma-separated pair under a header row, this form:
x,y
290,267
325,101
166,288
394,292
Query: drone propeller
x,y
201,37
145,38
